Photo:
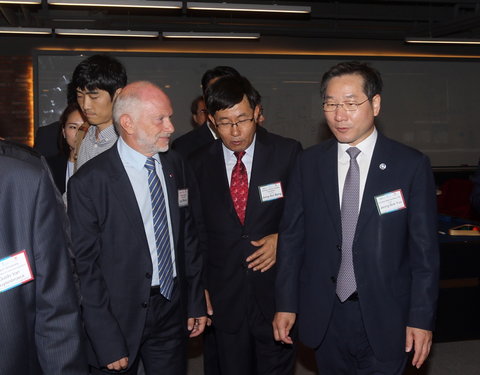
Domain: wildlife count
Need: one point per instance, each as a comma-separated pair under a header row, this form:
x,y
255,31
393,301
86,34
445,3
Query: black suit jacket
x,y
40,322
113,259
46,139
228,243
395,255
192,141
58,168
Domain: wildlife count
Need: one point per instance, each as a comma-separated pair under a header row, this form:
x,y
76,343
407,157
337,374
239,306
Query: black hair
x,y
97,72
217,72
62,142
372,80
229,91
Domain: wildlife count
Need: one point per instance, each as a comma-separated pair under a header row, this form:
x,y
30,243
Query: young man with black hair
x,y
96,82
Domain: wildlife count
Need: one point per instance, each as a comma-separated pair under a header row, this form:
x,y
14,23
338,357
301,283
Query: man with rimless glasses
x,y
358,261
243,178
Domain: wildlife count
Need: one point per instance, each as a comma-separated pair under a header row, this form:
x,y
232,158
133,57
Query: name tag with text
x,y
271,192
14,271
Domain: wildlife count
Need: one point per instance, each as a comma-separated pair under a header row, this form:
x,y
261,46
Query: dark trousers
x,y
163,348
252,350
345,349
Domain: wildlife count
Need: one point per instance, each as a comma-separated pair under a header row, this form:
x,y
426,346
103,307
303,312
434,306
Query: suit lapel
x,y
171,183
122,188
373,183
259,166
328,170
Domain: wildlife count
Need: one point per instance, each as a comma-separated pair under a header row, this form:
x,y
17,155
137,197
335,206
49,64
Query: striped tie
x,y
160,226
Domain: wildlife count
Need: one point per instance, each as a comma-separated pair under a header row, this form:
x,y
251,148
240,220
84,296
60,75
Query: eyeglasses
x,y
225,124
347,106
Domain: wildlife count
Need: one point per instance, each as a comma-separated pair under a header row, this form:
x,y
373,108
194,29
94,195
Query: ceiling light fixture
x,y
25,30
442,41
248,7
21,2
119,33
197,35
120,3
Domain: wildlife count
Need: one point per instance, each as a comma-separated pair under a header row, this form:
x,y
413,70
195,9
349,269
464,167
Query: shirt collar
x,y
131,156
104,135
229,154
366,146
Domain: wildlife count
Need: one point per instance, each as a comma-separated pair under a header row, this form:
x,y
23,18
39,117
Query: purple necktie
x,y
346,284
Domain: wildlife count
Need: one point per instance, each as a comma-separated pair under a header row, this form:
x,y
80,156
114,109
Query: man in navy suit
x,y
135,243
40,320
242,178
358,261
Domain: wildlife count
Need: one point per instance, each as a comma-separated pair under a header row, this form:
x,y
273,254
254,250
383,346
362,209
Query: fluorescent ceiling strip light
x,y
442,41
120,3
248,7
25,30
22,2
197,35
120,33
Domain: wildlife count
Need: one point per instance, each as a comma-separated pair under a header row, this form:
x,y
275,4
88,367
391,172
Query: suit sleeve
x,y
57,325
423,248
290,245
194,232
101,326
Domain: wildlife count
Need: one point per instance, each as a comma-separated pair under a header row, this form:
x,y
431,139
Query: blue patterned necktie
x,y
346,284
160,226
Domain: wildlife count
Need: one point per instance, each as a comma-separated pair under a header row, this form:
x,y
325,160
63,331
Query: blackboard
x,y
429,104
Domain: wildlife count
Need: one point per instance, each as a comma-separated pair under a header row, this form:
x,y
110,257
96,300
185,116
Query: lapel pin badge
x,y
382,166
170,175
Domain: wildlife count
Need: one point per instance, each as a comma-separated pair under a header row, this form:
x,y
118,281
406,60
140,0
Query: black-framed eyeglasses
x,y
347,106
226,124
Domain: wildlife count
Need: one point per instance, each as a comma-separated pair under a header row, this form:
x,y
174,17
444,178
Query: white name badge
x,y
182,197
14,271
390,202
271,192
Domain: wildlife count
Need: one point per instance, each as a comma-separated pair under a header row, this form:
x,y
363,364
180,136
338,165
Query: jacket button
x,y
245,236
144,305
148,275
333,279
339,248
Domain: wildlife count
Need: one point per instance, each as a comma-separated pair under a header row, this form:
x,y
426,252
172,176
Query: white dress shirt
x,y
231,160
134,164
364,158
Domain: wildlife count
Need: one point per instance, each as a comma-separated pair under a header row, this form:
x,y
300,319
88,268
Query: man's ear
x,y
117,91
376,102
256,113
211,119
126,124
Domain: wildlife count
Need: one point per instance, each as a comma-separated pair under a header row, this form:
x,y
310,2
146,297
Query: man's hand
x,y
209,308
196,325
421,342
282,324
119,365
266,256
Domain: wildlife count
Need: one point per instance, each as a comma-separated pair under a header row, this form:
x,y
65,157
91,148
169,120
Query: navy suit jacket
x,y
113,258
395,255
228,242
192,141
40,322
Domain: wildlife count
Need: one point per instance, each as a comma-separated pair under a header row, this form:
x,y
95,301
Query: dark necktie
x,y
160,226
346,284
239,186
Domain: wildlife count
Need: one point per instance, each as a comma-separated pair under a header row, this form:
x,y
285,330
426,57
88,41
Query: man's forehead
x,y
86,90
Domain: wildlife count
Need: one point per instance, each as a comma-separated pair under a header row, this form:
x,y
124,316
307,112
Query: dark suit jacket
x,y
58,167
395,255
40,322
46,139
192,141
113,259
228,241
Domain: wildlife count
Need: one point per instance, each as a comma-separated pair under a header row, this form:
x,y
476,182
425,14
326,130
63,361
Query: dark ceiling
x,y
382,20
